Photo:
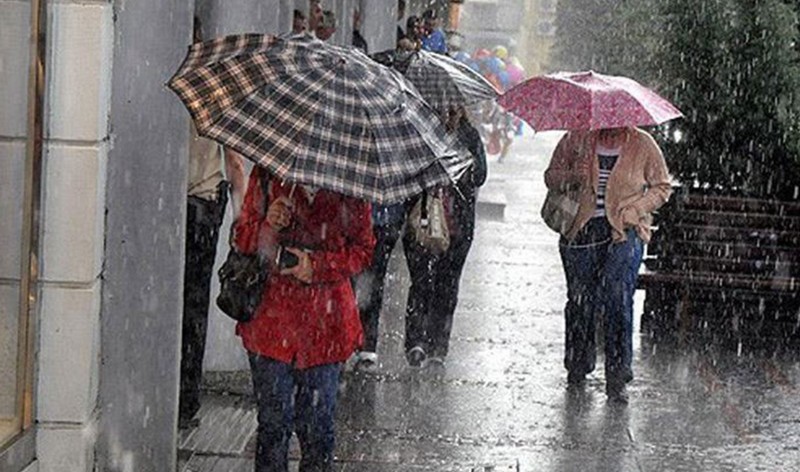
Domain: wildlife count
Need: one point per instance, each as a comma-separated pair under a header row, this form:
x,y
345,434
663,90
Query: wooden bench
x,y
724,266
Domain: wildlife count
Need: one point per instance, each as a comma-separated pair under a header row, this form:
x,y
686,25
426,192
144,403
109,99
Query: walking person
x,y
433,39
435,279
207,199
307,323
388,221
623,178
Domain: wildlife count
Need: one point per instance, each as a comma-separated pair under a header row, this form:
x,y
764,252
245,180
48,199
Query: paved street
x,y
500,403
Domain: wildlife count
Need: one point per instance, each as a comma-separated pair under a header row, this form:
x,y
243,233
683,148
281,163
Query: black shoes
x,y
575,380
617,392
188,423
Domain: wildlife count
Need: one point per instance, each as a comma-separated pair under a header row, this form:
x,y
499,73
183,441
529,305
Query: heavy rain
x,y
399,235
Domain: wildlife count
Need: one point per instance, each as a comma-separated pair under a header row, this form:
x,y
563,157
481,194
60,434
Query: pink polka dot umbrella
x,y
586,101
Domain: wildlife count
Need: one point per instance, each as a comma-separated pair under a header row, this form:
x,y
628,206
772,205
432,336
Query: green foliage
x,y
608,36
732,66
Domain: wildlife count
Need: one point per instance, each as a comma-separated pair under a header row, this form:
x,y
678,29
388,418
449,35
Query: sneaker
x,y
366,362
434,362
416,356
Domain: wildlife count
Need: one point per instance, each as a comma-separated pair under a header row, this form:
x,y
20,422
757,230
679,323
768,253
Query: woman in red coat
x,y
307,323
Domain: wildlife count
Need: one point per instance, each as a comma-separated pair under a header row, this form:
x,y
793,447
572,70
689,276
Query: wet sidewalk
x,y
500,403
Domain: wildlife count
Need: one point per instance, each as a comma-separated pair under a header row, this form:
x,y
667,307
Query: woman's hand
x,y
279,214
303,270
629,216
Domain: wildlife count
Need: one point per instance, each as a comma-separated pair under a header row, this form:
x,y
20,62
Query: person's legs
x,y
386,237
315,408
202,231
447,278
420,293
618,283
581,269
273,385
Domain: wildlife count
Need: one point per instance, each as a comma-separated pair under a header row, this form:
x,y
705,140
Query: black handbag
x,y
242,278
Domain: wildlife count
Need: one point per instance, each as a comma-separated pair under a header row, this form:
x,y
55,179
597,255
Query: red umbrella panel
x,y
586,101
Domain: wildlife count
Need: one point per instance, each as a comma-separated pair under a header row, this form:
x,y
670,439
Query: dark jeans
x,y
433,294
290,399
386,237
203,219
601,279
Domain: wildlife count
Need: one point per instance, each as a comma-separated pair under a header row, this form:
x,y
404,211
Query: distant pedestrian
x,y
299,22
315,14
307,323
412,40
327,26
433,39
623,179
435,279
358,39
401,13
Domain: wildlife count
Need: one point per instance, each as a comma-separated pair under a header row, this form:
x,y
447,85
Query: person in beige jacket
x,y
622,179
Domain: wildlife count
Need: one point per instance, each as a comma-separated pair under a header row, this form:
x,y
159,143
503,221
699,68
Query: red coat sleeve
x,y
356,255
248,224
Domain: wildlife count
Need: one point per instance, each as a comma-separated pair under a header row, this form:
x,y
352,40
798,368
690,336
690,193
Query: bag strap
x,y
265,188
266,184
423,214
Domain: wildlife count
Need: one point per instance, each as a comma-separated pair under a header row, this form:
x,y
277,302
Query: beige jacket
x,y
638,185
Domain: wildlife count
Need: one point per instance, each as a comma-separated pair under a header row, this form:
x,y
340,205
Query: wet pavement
x,y
501,403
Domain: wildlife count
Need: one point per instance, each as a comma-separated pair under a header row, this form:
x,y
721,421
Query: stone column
x,y
225,17
378,24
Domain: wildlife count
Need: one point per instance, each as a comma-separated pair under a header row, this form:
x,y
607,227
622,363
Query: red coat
x,y
315,324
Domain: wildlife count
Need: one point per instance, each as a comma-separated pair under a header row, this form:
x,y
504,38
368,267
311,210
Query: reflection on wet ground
x,y
501,404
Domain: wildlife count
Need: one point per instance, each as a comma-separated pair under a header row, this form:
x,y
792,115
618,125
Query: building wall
x,y
76,150
142,296
537,36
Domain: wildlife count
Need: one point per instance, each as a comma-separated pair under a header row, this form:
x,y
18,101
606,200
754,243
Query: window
x,y
19,178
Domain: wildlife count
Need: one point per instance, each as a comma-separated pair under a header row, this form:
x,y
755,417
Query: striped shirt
x,y
607,157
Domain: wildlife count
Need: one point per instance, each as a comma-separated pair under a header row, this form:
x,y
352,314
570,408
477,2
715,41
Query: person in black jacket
x,y
435,279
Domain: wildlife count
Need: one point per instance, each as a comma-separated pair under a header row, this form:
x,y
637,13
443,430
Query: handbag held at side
x,y
428,223
561,208
242,278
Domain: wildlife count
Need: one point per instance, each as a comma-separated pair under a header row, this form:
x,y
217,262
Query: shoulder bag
x,y
242,277
428,222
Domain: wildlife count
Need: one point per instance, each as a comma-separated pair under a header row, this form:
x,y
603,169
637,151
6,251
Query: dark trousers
x,y
386,237
601,279
433,294
294,400
203,219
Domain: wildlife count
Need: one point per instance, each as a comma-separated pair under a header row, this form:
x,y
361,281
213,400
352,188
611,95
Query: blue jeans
x,y
302,401
601,278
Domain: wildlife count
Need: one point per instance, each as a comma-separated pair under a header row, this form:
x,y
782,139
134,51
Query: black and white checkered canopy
x,y
444,82
318,114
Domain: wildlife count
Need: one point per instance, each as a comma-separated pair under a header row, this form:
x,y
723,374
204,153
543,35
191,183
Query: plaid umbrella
x,y
318,114
586,101
444,82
